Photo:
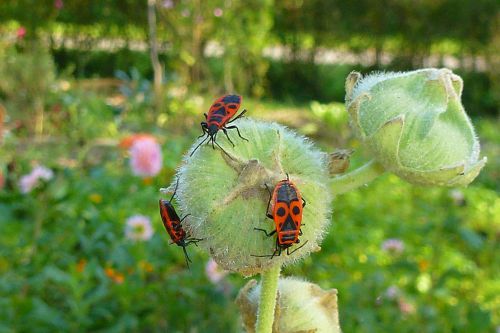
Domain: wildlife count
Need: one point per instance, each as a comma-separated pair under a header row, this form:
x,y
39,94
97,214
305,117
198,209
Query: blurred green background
x,y
78,77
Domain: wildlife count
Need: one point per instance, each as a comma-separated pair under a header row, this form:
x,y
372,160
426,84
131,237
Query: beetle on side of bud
x,y
415,125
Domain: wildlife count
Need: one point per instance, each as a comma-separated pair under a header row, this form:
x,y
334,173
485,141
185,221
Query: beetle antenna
x,y
225,152
202,141
175,190
186,256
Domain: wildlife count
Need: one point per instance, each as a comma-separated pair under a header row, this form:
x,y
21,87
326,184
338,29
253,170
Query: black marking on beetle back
x,y
232,99
289,225
280,211
287,238
296,210
221,111
287,193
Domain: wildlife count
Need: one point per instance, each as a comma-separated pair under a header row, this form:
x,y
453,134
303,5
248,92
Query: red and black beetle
x,y
172,224
219,115
285,209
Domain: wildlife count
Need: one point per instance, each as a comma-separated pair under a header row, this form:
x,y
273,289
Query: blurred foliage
x,y
418,25
28,78
217,45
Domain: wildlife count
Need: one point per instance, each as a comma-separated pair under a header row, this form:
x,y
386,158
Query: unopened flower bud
x,y
226,195
301,307
415,125
339,161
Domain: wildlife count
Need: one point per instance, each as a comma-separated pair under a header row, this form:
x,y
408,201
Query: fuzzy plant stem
x,y
267,302
356,178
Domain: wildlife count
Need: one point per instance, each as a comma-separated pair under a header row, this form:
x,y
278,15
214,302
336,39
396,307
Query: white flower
x,y
42,172
457,196
393,245
28,182
138,228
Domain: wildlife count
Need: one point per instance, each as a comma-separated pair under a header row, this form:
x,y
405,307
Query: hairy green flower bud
x,y
227,198
415,125
301,307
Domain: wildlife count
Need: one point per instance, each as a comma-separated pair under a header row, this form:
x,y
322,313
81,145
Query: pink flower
x,y
28,182
21,32
129,140
213,272
405,307
393,245
58,4
218,12
138,228
145,157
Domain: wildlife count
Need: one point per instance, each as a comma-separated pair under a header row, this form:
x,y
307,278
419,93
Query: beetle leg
x,y
267,234
278,249
297,248
264,256
303,202
237,130
269,203
227,136
184,218
238,116
193,241
203,128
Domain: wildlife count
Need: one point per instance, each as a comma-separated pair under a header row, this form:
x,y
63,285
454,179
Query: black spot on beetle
x,y
281,211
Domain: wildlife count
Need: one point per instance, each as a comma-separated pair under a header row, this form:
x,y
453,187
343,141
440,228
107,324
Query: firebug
x,y
173,225
285,208
219,116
